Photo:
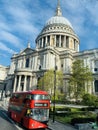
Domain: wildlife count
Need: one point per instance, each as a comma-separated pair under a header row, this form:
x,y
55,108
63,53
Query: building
x,y
57,39
3,75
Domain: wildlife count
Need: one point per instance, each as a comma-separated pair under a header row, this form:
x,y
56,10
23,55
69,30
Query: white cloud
x,y
5,48
93,9
3,55
22,21
11,39
4,26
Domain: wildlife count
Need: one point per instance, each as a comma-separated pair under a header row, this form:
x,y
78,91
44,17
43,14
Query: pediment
x,y
26,51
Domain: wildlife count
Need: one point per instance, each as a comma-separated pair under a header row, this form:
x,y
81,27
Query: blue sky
x,y
22,20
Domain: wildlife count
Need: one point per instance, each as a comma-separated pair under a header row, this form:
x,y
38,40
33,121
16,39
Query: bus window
x,y
40,97
29,96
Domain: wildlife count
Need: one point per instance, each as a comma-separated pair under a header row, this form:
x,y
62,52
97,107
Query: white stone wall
x,y
3,72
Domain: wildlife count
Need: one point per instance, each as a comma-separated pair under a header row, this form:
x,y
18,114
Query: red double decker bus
x,y
31,108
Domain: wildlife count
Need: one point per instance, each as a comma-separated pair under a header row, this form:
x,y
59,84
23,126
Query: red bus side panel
x,y
16,116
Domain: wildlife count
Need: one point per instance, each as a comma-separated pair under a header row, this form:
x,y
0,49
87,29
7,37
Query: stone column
x,y
46,40
24,62
15,80
55,41
37,42
60,41
25,82
42,43
38,46
78,46
19,83
44,62
47,66
30,82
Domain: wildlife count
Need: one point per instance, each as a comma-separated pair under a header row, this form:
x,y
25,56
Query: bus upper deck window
x,y
40,97
29,96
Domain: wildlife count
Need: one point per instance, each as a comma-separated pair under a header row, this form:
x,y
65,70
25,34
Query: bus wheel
x,y
22,122
9,114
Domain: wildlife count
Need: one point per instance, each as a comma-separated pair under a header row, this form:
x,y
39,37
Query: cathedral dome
x,y
58,20
58,32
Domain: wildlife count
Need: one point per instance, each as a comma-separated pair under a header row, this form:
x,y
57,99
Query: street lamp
x,y
55,68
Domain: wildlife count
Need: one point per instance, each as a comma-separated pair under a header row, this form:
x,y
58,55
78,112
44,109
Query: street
x,y
5,122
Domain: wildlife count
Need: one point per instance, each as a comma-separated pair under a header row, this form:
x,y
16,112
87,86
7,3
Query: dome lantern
x,y
58,9
58,18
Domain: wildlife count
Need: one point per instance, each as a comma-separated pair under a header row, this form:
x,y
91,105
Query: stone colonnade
x,y
22,83
57,41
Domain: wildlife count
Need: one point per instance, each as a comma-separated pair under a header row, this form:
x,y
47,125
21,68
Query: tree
x,y
80,78
47,82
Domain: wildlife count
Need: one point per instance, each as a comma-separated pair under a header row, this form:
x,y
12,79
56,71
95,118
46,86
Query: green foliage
x,y
73,115
78,120
89,99
80,75
47,83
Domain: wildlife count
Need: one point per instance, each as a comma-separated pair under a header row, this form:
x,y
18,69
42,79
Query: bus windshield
x,y
38,114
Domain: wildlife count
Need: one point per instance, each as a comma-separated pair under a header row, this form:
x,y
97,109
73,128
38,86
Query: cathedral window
x,y
62,28
67,41
27,62
48,40
95,69
57,41
61,65
96,65
96,85
40,62
43,42
62,41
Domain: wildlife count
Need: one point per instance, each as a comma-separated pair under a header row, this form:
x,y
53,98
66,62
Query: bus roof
x,y
32,92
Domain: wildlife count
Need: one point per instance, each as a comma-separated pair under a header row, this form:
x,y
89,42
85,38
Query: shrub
x,y
89,99
82,120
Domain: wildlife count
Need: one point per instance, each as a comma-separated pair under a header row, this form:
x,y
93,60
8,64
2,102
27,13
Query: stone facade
x,y
56,40
3,75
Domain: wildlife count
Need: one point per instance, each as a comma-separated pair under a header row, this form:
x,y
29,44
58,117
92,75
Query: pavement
x,y
60,126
